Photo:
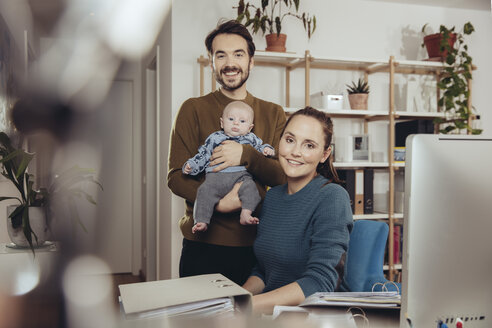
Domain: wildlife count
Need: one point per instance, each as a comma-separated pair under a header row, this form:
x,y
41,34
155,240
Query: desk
x,y
21,271
380,318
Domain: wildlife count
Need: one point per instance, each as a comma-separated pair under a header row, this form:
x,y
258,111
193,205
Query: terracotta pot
x,y
358,100
433,43
37,221
276,43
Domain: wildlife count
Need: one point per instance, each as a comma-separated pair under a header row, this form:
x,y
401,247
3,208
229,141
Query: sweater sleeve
x,y
332,223
266,170
183,145
257,143
199,162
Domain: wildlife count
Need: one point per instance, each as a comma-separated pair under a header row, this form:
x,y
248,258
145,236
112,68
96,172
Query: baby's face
x,y
236,121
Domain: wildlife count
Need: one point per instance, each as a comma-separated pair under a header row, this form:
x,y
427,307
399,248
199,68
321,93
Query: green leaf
x,y
16,216
240,10
26,228
5,198
468,28
296,2
424,27
278,25
264,4
24,163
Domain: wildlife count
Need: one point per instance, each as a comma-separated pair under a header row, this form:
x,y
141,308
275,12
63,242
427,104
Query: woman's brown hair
x,y
326,169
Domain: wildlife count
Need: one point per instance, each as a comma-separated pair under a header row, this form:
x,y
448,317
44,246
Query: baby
x,y
236,122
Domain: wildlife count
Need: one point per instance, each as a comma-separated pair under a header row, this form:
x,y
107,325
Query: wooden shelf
x,y
395,267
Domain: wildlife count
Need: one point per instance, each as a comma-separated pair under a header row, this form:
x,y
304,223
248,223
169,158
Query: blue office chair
x,y
365,257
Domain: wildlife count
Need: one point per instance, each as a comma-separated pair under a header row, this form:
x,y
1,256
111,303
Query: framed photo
x,y
360,147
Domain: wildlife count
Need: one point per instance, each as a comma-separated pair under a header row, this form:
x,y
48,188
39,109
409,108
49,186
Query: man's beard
x,y
231,87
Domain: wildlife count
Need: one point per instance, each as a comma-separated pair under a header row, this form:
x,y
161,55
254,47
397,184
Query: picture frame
x,y
360,148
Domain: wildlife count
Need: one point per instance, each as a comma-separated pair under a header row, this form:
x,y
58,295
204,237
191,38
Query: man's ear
x,y
251,63
221,123
251,127
211,61
326,154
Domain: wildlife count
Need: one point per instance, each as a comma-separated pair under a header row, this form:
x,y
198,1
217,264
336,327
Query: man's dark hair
x,y
231,27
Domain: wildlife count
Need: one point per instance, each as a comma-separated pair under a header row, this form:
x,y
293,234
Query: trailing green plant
x,y
360,87
65,187
456,90
269,16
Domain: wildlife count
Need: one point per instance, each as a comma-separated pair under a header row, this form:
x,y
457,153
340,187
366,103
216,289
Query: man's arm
x,y
183,145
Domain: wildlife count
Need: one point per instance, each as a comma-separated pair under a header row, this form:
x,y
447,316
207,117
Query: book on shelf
x,y
404,129
397,244
359,184
368,191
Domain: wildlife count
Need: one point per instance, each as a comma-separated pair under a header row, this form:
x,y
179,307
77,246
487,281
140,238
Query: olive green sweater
x,y
198,118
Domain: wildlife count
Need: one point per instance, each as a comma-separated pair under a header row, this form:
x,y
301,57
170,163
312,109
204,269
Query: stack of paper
x,y
360,299
218,306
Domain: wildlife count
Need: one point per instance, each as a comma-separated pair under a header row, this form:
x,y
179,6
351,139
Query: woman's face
x,y
301,149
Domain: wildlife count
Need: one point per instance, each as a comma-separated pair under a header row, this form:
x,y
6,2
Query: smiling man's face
x,y
230,61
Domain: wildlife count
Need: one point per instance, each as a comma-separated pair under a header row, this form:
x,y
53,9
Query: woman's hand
x,y
231,201
254,285
290,294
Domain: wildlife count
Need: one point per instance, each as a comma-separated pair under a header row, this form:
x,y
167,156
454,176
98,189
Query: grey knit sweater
x,y
302,236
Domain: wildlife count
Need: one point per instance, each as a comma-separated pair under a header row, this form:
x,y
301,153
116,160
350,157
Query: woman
x,y
305,224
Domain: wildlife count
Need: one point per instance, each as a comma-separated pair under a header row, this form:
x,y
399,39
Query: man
x,y
226,246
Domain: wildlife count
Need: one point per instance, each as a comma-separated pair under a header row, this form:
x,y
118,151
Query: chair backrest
x,y
365,256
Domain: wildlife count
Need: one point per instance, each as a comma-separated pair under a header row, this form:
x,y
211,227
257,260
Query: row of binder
x,y
359,184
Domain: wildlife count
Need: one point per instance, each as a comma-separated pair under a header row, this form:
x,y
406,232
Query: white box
x,y
321,100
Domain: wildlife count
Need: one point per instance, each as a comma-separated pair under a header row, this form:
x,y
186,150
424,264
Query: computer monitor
x,y
447,247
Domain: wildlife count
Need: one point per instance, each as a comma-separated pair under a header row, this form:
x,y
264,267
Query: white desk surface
x,y
21,271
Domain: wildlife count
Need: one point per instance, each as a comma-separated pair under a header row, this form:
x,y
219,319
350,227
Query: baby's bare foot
x,y
200,227
246,218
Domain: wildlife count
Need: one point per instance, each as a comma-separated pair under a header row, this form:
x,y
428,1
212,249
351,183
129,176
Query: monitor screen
x,y
447,247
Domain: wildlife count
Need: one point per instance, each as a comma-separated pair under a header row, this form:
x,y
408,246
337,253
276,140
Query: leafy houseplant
x,y
269,17
65,187
458,72
358,93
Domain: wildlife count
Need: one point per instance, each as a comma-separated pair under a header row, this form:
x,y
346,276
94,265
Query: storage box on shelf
x,y
291,61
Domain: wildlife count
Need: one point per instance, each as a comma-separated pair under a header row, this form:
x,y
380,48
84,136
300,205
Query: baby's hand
x,y
267,151
187,169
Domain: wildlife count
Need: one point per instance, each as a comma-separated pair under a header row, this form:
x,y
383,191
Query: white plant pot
x,y
37,220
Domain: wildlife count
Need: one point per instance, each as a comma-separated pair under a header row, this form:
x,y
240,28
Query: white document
x,y
360,299
334,317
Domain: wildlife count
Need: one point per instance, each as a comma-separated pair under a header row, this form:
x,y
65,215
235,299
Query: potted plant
x,y
268,18
32,216
455,98
358,93
435,42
